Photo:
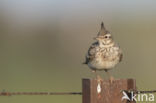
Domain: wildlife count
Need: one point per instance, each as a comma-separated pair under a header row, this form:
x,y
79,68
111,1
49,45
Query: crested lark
x,y
103,54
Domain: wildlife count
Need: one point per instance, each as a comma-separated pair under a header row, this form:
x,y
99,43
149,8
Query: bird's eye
x,y
106,36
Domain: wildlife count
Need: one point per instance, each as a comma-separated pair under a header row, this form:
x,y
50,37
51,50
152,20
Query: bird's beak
x,y
96,38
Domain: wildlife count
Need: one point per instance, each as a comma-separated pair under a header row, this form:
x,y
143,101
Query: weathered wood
x,y
110,92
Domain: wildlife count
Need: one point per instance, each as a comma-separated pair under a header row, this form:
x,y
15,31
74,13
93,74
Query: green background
x,y
43,44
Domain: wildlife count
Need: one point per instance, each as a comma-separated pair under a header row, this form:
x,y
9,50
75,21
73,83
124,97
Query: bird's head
x,y
105,39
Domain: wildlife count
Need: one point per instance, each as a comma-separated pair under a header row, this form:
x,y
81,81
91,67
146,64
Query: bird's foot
x,y
99,79
93,71
111,79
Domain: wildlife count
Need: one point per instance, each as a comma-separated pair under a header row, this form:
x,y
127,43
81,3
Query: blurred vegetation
x,y
43,44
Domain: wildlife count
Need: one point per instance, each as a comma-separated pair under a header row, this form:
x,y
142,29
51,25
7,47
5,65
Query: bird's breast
x,y
105,58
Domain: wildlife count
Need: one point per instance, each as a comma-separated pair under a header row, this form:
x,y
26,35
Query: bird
x,y
104,54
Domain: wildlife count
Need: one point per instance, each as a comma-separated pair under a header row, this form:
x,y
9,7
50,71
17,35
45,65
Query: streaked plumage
x,y
103,54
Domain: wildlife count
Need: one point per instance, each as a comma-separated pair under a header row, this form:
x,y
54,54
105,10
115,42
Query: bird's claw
x,y
111,79
99,79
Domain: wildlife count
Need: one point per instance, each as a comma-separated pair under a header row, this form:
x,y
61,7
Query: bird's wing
x,y
120,53
91,52
121,56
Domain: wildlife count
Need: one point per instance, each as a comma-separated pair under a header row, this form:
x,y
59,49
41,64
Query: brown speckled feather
x,y
104,54
91,52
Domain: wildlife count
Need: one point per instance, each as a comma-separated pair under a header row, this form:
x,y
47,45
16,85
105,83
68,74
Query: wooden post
x,y
110,92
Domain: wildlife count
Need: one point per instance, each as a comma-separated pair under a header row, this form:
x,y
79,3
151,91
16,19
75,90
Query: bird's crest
x,y
102,25
103,30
